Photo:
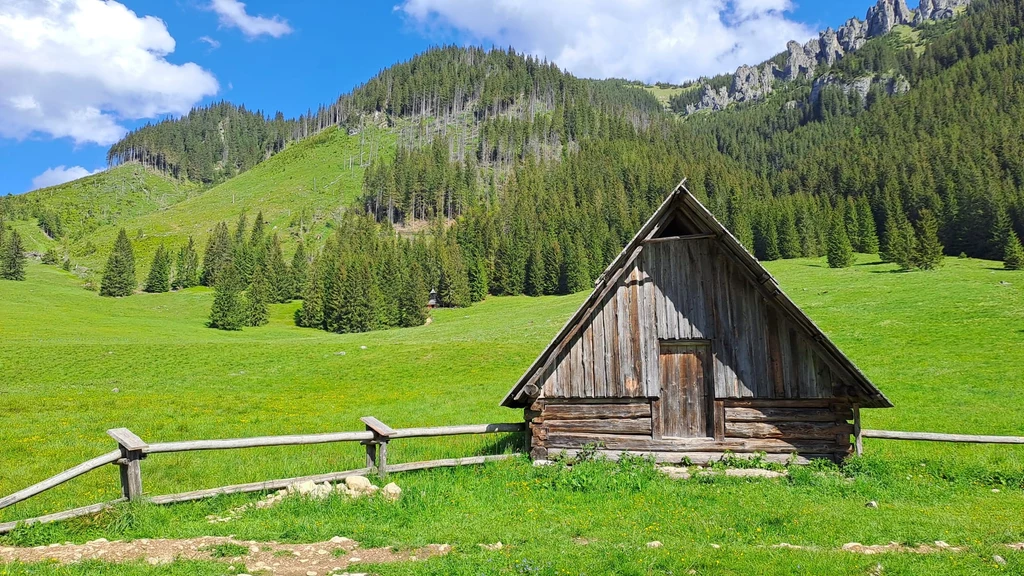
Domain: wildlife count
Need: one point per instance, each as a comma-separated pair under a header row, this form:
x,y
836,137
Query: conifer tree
x,y
3,231
478,279
186,269
903,244
119,274
257,312
217,256
868,236
228,311
159,278
927,248
12,258
851,217
413,298
242,251
575,276
311,314
1013,252
535,271
281,282
789,239
299,272
840,252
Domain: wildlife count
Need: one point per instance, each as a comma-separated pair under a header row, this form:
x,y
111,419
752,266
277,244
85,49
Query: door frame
x,y
712,413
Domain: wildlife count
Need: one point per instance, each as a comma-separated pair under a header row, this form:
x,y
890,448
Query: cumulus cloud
x,y
78,68
233,15
59,175
651,40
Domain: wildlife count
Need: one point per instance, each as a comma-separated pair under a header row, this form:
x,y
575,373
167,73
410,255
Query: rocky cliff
x,y
752,83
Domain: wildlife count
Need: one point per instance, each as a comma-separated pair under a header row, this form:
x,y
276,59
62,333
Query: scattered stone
x,y
654,544
999,560
340,540
541,462
492,547
872,504
675,472
716,546
391,492
362,347
787,545
995,490
341,353
753,473
115,390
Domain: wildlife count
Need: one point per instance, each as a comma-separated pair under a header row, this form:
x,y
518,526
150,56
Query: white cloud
x,y
651,40
78,68
213,43
232,14
59,175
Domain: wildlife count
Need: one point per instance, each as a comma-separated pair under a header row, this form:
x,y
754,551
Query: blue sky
x,y
99,68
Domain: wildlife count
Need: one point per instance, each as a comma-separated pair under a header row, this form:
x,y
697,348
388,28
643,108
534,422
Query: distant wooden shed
x,y
688,348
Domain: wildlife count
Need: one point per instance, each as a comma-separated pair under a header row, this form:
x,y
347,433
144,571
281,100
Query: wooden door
x,y
685,383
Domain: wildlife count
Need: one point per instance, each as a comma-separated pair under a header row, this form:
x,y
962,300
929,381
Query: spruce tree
x,y
281,283
789,238
903,245
119,275
575,275
311,314
186,269
868,231
413,299
299,271
257,312
1013,252
12,258
228,311
159,278
840,252
927,248
217,256
852,219
535,271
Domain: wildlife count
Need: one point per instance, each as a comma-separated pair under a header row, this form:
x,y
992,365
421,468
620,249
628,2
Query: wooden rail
x,y
132,450
936,437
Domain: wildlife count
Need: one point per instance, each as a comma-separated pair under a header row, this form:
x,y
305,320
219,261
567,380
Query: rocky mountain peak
x,y
752,83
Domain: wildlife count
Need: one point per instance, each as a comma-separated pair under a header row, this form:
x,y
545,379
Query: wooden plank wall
x,y
688,289
812,428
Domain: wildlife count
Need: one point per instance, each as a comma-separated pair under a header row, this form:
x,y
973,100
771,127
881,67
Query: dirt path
x,y
319,559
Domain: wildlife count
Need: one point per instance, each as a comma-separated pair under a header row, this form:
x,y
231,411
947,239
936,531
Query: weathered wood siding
x,y
811,428
679,290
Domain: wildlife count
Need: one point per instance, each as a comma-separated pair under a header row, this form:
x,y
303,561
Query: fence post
x,y
131,447
858,439
377,449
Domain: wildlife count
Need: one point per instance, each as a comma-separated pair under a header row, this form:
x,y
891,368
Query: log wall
x,y
816,428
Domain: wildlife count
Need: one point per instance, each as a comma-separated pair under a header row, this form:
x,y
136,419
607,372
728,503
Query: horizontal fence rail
x,y
937,437
132,450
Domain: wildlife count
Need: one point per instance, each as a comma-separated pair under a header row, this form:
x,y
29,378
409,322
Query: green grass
x,y
319,176
945,346
665,94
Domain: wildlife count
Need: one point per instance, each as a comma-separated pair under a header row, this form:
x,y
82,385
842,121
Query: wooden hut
x,y
688,348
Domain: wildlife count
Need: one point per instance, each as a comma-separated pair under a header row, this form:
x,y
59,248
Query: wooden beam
x,y
677,238
127,439
936,437
377,426
59,479
258,442
858,433
447,463
458,430
130,462
57,516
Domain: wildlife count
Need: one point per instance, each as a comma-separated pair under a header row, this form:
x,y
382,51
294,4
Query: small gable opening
x,y
677,226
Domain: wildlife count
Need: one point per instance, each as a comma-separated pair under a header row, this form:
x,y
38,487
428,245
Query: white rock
x,y
654,544
358,483
872,504
753,473
675,472
303,488
539,463
391,492
999,560
340,540
495,546
362,347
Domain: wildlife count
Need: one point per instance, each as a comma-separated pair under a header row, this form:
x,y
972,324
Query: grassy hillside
x,y
148,363
111,197
312,180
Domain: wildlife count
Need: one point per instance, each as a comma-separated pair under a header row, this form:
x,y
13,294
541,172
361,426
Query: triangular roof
x,y
684,205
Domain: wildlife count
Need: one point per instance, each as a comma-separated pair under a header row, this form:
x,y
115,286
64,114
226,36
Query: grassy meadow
x,y
945,346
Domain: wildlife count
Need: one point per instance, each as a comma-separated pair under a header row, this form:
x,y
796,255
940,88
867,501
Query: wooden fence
x,y
132,450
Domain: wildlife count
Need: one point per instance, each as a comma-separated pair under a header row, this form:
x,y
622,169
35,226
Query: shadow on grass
x,y
512,442
879,263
